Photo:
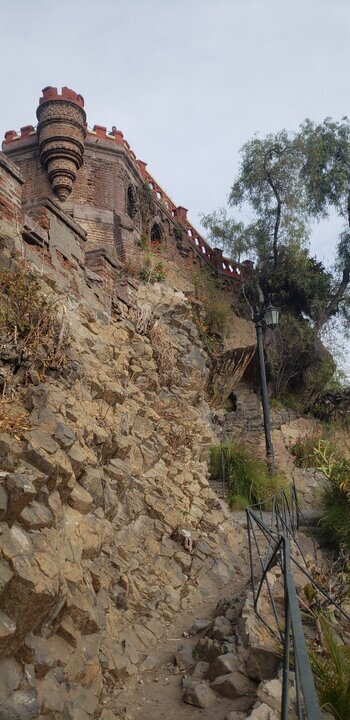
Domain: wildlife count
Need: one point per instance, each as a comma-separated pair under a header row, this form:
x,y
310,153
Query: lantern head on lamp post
x,y
270,315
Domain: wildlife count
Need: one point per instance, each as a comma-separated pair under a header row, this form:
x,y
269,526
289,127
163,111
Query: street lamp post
x,y
270,315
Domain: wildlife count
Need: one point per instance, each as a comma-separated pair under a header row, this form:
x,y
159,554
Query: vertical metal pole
x,y
285,676
263,383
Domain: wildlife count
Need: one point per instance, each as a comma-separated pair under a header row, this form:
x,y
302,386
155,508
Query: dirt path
x,y
158,693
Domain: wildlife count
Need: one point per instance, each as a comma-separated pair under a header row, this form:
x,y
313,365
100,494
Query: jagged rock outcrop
x,y
108,523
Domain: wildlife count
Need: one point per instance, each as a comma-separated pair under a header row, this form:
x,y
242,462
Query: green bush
x,y
332,672
249,481
216,306
335,496
303,449
300,366
152,269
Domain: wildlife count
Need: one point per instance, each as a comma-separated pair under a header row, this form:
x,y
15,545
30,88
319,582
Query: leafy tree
x,y
232,236
300,283
326,175
270,182
298,361
285,182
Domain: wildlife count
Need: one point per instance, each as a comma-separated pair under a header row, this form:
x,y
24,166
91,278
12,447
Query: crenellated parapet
x,y
100,182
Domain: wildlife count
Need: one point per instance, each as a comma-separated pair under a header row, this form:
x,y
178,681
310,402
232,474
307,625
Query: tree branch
x,y
275,191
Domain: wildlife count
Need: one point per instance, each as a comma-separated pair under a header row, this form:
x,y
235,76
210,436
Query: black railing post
x,y
263,384
312,706
285,676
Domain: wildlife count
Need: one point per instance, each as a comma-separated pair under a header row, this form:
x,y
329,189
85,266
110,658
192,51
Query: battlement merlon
x,y
50,93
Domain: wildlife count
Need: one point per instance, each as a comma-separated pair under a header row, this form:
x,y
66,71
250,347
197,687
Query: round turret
x,y
61,135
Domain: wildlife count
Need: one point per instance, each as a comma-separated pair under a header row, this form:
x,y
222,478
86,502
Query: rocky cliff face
x,y
108,524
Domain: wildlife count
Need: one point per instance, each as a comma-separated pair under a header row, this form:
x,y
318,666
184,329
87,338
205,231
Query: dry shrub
x,y
164,354
13,421
179,426
147,323
142,317
131,267
31,332
216,305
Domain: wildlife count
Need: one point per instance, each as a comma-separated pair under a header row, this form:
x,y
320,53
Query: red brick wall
x,y
10,199
98,203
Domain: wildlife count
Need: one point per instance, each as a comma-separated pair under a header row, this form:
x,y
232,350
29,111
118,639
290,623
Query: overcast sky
x,y
187,81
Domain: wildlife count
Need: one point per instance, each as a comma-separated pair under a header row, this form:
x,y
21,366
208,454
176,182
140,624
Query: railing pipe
x,y
312,706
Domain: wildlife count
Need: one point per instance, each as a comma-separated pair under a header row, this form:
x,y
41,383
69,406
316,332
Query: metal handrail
x,y
277,537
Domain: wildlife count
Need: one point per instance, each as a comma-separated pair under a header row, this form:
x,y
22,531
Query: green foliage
x,y
216,306
248,479
288,180
270,181
224,231
335,497
300,284
147,204
30,327
326,171
303,449
153,269
298,361
179,234
332,672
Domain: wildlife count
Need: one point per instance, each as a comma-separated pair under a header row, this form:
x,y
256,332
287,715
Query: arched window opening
x,y
156,234
131,201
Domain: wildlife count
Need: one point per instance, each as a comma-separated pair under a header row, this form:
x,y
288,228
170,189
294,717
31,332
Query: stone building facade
x,y
92,181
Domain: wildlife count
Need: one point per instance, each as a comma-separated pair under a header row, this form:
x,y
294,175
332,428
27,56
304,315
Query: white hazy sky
x,y
187,81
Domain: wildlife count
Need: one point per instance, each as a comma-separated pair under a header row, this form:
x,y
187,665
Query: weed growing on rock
x,y
32,336
164,354
148,324
213,323
335,497
248,479
332,671
152,269
13,421
178,425
303,449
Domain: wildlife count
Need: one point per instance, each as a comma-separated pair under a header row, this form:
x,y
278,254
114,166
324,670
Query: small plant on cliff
x,y
152,269
213,323
248,479
335,497
303,448
164,353
13,420
31,333
179,426
331,668
148,324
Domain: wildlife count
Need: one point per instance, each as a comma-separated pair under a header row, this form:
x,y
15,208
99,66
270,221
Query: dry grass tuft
x,y
164,354
32,334
12,420
147,323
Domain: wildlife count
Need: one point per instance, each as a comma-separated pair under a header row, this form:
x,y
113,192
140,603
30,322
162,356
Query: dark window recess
x,y
131,201
156,235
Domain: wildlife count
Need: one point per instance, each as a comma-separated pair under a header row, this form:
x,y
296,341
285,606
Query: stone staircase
x,y
220,488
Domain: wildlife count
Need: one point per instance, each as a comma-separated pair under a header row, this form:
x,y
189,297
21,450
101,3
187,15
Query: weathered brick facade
x,y
95,178
11,182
